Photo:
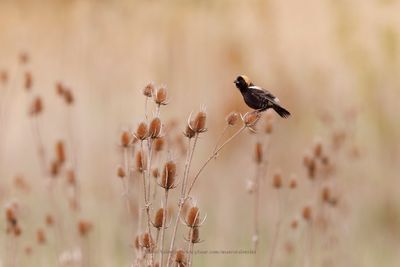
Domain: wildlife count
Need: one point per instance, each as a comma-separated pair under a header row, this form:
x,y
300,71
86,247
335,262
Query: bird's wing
x,y
260,92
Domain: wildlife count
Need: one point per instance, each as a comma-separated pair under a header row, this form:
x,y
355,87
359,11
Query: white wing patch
x,y
256,87
276,99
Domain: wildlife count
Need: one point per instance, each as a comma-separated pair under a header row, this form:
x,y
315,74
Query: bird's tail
x,y
281,111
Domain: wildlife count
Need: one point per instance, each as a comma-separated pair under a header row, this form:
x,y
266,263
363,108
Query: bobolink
x,y
258,98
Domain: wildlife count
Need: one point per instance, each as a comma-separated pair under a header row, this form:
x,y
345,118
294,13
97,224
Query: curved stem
x,y
215,153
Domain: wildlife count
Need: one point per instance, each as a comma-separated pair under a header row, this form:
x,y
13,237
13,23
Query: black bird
x,y
258,98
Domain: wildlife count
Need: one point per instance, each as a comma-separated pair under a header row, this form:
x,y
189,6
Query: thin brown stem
x,y
214,154
163,228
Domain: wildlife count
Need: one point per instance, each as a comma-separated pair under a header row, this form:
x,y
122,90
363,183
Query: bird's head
x,y
242,82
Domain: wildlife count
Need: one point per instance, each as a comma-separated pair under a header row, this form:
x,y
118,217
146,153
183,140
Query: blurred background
x,y
334,65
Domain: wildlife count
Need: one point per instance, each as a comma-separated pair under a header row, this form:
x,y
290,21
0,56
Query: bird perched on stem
x,y
258,98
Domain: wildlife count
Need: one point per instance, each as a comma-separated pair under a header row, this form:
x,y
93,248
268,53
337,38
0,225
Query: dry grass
x,y
84,183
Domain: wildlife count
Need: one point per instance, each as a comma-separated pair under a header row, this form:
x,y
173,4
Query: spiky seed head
x,y
293,183
189,133
28,81
277,180
136,242
159,144
149,89
121,172
258,153
36,106
232,118
180,256
318,149
17,230
126,138
54,168
155,128
141,161
40,236
160,96
59,89
312,167
250,119
307,213
158,219
194,235
198,125
146,240
326,194
142,131
84,227
168,175
68,97
193,217
23,58
60,151
3,77
49,220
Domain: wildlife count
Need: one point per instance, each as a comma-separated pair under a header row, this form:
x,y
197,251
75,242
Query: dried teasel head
x,y
146,241
194,235
198,125
3,77
71,178
36,106
307,213
148,90
159,144
40,236
189,133
168,175
193,217
126,138
180,257
232,118
68,97
293,183
121,172
250,119
142,131
258,153
60,152
55,168
60,89
136,242
49,220
317,149
84,227
141,161
155,128
160,96
159,218
277,180
28,81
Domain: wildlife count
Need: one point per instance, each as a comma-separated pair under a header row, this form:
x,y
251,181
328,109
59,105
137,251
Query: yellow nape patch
x,y
246,79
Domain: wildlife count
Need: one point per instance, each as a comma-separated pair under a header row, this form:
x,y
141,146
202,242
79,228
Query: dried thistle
x,y
277,180
160,96
68,97
250,119
155,172
142,131
189,133
232,118
155,128
36,106
158,218
193,217
307,213
198,125
40,236
121,172
28,81
49,220
60,152
126,139
180,257
149,89
141,161
258,153
84,227
159,144
3,77
146,241
194,235
168,175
